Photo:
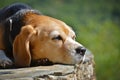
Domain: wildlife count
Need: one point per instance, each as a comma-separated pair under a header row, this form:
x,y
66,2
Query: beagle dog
x,y
28,37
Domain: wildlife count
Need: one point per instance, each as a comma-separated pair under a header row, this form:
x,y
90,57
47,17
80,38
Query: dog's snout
x,y
80,50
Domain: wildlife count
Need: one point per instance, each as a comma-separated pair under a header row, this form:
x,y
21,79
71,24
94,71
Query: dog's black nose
x,y
80,50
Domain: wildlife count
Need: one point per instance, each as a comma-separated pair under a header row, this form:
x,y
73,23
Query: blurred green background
x,y
97,25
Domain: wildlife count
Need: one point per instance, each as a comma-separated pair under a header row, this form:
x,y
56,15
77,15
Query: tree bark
x,y
82,71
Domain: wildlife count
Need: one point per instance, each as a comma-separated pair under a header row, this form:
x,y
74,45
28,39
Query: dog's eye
x,y
57,38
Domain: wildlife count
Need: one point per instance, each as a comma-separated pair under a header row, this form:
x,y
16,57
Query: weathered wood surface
x,y
83,71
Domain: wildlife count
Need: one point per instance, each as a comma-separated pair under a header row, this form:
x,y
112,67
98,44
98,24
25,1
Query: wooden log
x,y
82,71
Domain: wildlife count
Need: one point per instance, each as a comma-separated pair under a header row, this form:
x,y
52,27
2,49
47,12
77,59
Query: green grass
x,y
97,25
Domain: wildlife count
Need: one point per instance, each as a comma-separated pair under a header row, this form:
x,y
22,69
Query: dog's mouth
x,y
41,62
79,59
82,60
47,62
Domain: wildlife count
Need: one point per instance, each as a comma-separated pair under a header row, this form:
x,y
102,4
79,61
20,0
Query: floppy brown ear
x,y
21,47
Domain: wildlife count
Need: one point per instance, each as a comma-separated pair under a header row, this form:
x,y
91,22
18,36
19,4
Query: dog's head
x,y
46,37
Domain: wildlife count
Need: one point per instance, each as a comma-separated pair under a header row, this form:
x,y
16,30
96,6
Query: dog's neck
x,y
13,26
15,22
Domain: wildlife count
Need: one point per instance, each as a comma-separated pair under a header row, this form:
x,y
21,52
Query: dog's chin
x,y
41,62
76,59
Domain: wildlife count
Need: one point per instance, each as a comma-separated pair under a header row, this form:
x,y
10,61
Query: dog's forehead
x,y
64,27
69,29
63,30
52,24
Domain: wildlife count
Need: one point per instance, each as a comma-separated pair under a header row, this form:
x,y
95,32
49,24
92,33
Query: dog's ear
x,y
21,46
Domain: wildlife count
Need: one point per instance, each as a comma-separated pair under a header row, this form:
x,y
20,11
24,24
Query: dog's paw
x,y
5,63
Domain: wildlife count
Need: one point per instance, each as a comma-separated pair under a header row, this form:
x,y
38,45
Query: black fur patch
x,y
17,22
14,12
11,10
